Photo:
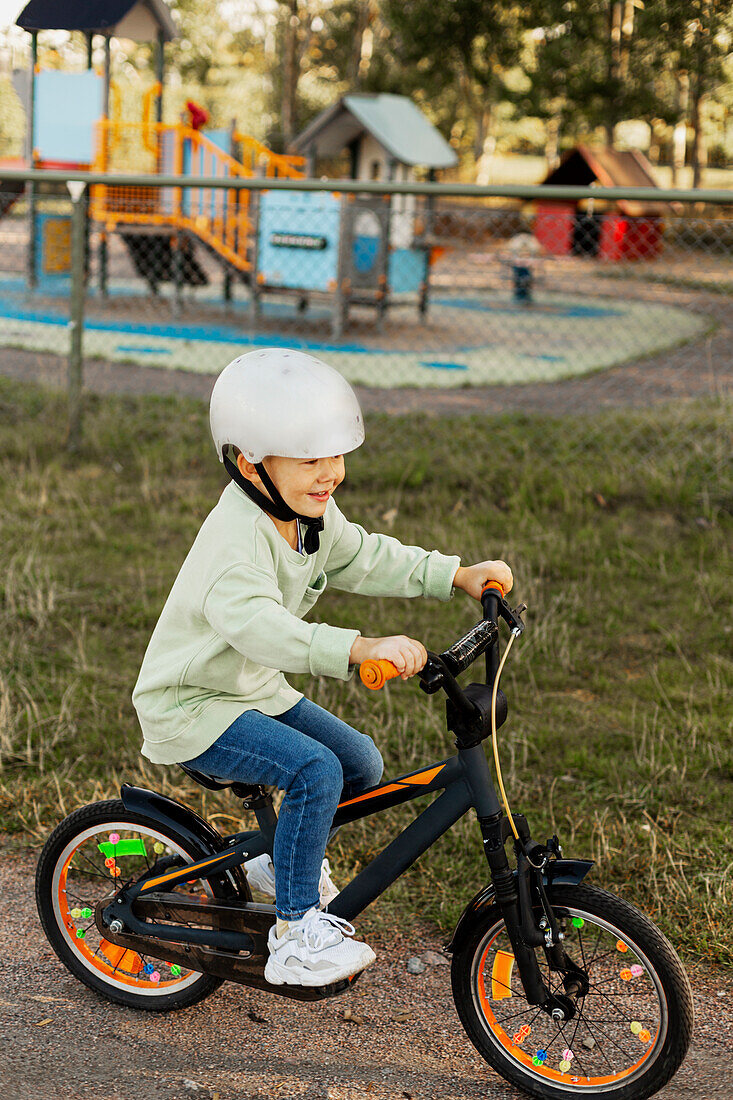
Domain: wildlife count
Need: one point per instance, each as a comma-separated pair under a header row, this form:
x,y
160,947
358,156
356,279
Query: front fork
x,y
526,932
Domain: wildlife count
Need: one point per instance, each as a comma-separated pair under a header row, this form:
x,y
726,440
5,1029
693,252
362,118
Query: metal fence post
x,y
77,191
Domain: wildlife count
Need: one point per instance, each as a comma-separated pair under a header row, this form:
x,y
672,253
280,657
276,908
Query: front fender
x,y
566,872
180,820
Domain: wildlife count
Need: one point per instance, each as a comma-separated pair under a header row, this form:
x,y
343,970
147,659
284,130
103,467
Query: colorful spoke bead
x,y
114,838
86,912
158,848
148,968
637,970
578,922
644,1036
176,970
621,946
116,872
567,1055
155,976
536,1061
564,1066
542,1055
80,933
76,913
636,1028
626,975
109,862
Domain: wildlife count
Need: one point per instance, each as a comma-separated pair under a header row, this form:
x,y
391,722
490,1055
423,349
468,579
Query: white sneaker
x,y
261,876
314,951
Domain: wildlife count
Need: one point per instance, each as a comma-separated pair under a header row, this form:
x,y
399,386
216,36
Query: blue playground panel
x,y
67,106
298,246
298,239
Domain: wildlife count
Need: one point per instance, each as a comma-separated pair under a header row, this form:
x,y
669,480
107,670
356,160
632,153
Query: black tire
x,y
72,932
646,1010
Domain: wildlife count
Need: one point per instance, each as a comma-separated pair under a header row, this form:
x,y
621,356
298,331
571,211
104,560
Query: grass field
x,y
619,734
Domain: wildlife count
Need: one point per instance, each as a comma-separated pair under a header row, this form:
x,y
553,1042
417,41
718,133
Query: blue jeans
x,y
317,760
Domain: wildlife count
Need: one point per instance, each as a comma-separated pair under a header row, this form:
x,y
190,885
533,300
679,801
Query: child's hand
x,y
406,654
475,577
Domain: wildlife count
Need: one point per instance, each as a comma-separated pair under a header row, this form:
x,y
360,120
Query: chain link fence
x,y
431,301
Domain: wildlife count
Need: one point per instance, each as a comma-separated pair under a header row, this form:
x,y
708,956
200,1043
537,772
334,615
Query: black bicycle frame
x,y
465,782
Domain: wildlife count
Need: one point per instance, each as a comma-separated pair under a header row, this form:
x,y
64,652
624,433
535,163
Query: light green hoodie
x,y
232,623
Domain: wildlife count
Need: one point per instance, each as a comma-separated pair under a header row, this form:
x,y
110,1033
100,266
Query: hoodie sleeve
x,y
244,605
380,565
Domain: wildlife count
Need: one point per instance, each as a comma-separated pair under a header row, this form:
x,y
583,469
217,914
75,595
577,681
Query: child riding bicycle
x,y
211,691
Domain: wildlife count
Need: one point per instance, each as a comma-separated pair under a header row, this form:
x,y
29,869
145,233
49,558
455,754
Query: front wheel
x,y
630,1031
81,865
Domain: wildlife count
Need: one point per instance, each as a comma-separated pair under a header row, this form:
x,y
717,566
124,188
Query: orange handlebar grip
x,y
374,674
494,584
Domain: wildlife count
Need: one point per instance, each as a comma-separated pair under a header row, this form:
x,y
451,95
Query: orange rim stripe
x,y
521,1056
95,960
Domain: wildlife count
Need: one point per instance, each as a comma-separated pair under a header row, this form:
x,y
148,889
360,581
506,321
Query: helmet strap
x,y
276,506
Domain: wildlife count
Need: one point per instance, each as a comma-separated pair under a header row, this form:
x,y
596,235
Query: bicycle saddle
x,y
243,790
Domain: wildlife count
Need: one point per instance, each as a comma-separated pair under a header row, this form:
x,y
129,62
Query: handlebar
x,y
481,638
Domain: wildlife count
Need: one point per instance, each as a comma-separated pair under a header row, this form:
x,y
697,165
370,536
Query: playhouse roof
x,y
140,20
393,120
610,168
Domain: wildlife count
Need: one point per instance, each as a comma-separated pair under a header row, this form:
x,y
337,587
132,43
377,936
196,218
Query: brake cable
x,y
494,744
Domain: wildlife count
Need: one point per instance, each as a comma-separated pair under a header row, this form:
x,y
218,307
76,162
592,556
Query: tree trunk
x,y
290,72
679,137
552,142
699,152
357,68
615,21
698,91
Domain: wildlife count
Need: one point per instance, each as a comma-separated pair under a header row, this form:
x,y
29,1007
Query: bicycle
x,y
563,988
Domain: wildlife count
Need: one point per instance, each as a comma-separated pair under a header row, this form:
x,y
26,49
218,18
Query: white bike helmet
x,y
281,402
288,403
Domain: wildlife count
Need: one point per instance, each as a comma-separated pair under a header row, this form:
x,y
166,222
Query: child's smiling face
x,y
304,484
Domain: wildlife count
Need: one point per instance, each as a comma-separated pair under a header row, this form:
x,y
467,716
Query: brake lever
x,y
512,616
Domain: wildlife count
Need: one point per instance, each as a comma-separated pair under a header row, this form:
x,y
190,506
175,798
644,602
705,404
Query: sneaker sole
x,y
277,974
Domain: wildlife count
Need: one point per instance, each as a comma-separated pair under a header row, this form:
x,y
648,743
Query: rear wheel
x,y
630,1031
82,864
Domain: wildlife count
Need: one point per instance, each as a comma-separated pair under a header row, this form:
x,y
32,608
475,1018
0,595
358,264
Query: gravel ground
x,y
405,1043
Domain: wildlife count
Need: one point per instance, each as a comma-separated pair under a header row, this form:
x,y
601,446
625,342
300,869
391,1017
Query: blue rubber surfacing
x,y
559,336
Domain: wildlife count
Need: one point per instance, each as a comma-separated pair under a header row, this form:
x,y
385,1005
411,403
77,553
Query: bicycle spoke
x,y
600,1047
609,1038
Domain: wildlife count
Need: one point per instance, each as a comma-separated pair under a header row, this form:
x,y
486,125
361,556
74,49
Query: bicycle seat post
x,y
259,800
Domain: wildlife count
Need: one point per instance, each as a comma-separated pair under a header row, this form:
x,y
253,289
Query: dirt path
x,y
62,1041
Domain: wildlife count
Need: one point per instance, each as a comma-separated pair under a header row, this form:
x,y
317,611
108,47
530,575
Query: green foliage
x,y
619,734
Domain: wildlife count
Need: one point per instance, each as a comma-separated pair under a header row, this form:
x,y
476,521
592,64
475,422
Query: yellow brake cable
x,y
505,654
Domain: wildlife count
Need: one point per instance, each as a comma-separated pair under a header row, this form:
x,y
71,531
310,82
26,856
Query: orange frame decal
x,y
419,779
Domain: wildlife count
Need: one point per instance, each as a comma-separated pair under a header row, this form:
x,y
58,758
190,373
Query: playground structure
x,y
344,248
620,231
